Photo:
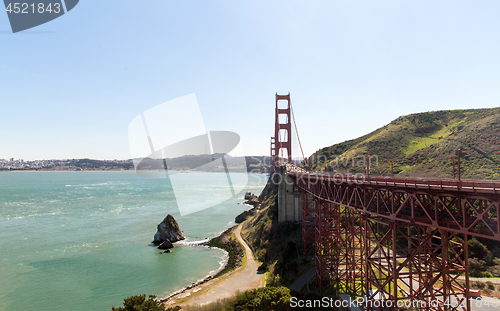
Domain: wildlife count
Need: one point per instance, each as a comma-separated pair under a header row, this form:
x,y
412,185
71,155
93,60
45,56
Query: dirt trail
x,y
241,279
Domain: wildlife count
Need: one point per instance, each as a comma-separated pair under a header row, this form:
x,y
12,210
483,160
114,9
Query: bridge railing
x,y
437,183
442,184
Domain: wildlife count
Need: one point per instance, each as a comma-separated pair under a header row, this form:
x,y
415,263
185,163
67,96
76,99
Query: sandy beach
x,y
243,278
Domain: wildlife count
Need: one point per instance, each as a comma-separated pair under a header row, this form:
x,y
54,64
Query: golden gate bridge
x,y
403,239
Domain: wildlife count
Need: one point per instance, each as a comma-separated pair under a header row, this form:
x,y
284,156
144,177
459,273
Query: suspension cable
x,y
280,157
296,131
281,148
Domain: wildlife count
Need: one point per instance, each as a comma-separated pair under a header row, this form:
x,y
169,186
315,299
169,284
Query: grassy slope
x,y
277,245
421,145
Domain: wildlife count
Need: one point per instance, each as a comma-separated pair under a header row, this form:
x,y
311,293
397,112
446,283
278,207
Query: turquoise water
x,y
81,240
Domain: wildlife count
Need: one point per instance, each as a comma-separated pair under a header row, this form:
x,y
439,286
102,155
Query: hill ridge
x,y
421,144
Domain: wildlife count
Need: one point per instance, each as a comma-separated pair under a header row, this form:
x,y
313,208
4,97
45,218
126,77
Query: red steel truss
x,y
400,239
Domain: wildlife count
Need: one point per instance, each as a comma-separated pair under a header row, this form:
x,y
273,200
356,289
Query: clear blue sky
x,y
69,88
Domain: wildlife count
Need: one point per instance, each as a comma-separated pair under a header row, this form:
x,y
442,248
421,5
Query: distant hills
x,y
65,165
422,144
207,163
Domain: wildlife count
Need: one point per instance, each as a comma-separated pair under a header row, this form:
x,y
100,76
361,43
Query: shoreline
x,y
210,276
213,274
243,276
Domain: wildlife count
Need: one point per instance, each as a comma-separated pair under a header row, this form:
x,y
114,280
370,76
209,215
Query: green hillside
x,y
422,144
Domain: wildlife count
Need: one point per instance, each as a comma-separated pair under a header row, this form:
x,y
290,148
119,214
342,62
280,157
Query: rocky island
x,y
168,232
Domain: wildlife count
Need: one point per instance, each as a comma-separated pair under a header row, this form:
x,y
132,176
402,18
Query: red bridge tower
x,y
282,140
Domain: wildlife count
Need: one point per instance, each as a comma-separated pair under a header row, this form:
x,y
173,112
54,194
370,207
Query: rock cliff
x,y
168,230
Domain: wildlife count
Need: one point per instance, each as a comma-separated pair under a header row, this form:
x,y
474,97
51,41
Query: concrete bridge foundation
x,y
289,199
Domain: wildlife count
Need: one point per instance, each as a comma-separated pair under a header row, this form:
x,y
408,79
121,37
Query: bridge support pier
x,y
289,205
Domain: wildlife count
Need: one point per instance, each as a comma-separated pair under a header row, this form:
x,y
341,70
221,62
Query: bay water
x,y
82,240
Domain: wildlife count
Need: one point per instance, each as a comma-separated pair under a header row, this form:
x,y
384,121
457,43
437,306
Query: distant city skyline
x,y
70,88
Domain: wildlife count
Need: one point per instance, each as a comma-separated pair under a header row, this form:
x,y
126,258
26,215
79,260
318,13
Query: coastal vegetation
x,y
486,287
484,257
140,303
276,245
270,297
264,298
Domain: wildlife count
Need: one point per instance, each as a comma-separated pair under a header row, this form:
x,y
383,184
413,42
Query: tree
x,y
140,303
274,282
289,250
479,250
262,299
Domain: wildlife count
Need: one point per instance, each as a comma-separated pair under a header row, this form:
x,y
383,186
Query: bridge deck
x,y
439,184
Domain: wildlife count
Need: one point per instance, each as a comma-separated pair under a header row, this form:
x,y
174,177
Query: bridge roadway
x,y
439,184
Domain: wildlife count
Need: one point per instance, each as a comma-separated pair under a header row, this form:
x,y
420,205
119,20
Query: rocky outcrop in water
x,y
166,245
168,233
249,196
254,202
243,216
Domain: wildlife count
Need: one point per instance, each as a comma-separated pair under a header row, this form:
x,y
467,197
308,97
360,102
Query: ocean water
x,y
82,240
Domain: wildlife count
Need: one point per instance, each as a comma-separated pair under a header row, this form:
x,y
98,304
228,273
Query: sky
x,y
71,87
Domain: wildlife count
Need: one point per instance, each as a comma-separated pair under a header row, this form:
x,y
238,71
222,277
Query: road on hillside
x,y
241,279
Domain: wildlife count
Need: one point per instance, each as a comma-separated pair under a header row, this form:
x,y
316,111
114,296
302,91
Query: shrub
x,y
262,299
274,281
476,267
139,302
487,274
291,267
278,266
491,286
289,250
